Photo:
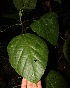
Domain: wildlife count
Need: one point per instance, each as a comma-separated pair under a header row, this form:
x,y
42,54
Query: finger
x,y
29,84
34,85
23,84
39,84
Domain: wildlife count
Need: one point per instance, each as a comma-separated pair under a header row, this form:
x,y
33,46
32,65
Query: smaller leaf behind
x,y
18,4
55,80
29,4
66,48
25,4
47,27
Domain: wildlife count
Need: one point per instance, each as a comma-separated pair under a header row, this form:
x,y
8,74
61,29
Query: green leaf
x,y
55,80
66,48
30,4
58,1
25,4
28,55
47,27
18,4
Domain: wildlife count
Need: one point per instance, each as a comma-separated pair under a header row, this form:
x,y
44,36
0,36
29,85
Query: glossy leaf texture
x,y
25,4
47,27
66,48
28,55
55,80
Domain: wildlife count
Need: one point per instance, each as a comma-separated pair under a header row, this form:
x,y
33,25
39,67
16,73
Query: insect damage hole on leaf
x,y
35,60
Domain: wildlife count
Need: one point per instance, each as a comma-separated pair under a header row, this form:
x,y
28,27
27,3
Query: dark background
x,y
8,77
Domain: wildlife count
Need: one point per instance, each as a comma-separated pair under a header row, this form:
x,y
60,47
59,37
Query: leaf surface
x,y
66,48
28,55
55,80
25,4
18,4
47,27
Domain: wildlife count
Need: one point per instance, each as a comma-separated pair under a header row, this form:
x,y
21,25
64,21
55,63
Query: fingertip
x,y
34,85
29,84
23,84
39,84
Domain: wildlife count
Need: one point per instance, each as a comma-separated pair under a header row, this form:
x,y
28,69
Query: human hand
x,y
27,84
